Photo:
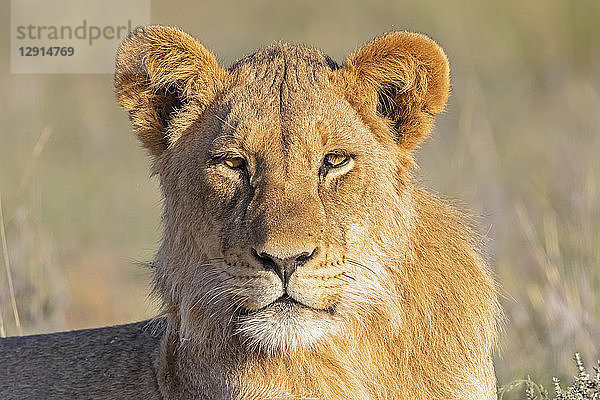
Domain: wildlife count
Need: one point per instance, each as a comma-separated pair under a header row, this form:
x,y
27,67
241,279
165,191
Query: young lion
x,y
299,259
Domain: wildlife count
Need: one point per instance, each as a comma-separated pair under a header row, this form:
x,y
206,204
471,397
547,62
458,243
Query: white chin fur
x,y
285,328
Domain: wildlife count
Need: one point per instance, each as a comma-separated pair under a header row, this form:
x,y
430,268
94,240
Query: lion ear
x,y
404,78
159,71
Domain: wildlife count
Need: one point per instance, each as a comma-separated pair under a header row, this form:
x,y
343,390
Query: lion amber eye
x,y
234,162
335,160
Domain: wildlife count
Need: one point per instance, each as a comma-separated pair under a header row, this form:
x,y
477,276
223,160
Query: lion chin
x,y
286,325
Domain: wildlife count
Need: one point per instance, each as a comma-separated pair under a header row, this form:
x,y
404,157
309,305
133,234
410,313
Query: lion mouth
x,y
288,300
287,304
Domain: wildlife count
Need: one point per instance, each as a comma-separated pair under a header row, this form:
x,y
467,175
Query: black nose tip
x,y
283,267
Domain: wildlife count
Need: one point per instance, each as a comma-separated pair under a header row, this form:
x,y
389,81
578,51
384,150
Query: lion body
x,y
117,362
299,258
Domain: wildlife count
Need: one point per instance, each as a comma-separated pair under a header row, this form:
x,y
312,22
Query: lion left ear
x,y
160,71
403,77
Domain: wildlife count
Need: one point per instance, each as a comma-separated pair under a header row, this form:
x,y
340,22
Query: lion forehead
x,y
280,63
282,101
280,82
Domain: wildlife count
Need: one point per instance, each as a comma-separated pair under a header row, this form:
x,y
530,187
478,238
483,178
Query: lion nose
x,y
283,267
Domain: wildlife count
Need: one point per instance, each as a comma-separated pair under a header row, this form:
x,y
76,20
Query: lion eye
x,y
335,160
234,162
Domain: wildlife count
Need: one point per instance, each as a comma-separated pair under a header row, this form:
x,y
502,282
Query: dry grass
x,y
585,386
518,146
11,288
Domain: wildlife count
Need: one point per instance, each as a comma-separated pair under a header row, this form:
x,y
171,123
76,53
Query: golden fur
x,y
389,298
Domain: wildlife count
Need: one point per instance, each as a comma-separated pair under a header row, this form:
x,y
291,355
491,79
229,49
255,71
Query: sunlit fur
x,y
394,303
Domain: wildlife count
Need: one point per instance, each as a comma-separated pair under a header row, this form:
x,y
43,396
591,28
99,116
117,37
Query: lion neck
x,y
353,366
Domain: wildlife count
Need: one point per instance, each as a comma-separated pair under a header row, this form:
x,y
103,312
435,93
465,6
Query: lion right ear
x,y
405,80
159,72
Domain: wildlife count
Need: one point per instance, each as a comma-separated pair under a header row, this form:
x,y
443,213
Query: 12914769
x,y
51,51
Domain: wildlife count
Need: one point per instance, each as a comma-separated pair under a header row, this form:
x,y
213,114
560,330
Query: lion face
x,y
286,195
284,176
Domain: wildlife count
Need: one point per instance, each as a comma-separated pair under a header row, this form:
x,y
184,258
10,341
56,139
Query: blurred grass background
x,y
518,146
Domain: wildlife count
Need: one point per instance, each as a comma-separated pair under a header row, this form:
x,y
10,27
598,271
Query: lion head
x,y
291,220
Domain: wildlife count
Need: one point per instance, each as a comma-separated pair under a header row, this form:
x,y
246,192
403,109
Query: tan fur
x,y
394,301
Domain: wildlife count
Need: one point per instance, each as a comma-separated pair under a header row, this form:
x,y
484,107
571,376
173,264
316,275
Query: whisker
x,y
346,275
359,264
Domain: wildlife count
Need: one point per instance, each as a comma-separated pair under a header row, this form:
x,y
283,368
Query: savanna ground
x,y
518,148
